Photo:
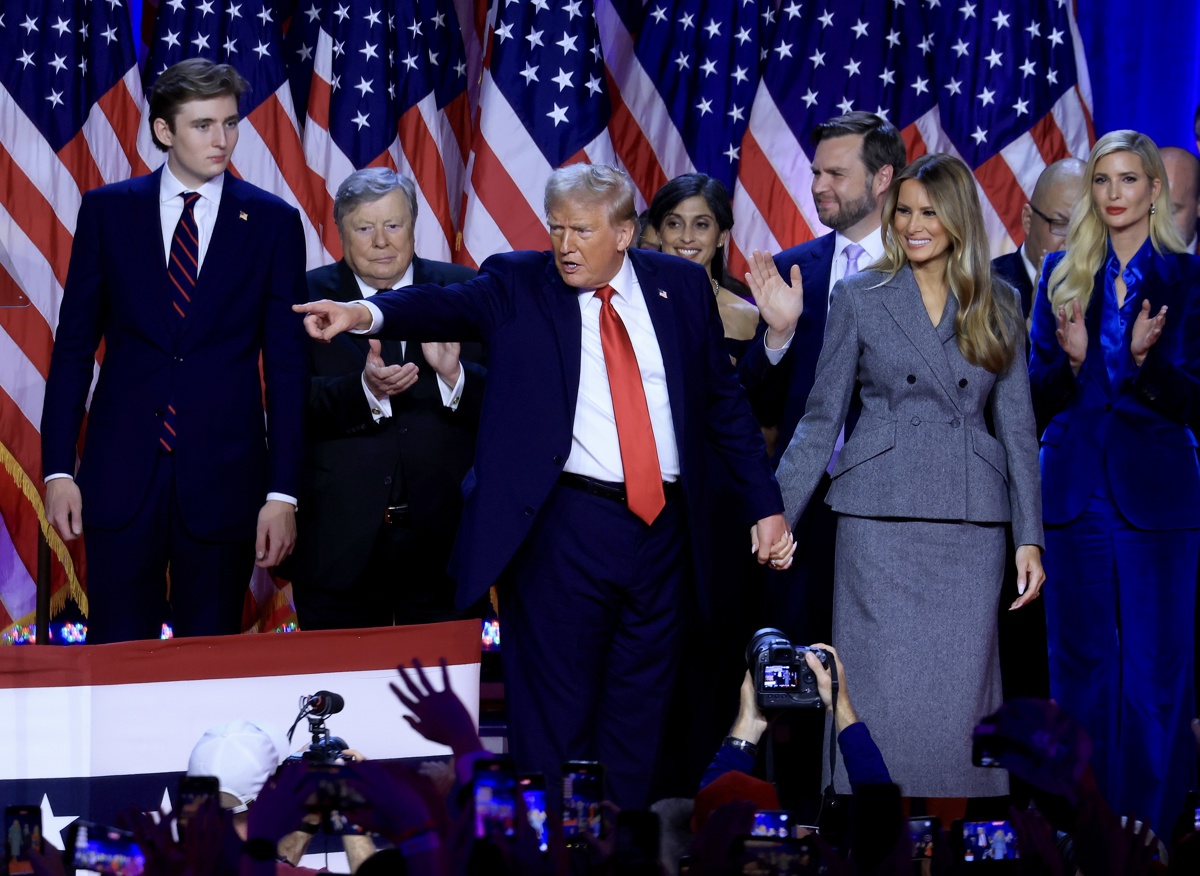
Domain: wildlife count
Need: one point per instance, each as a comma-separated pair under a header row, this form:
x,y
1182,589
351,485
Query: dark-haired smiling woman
x,y
693,215
1114,368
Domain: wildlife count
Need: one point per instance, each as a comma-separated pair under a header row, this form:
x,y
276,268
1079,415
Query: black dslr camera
x,y
782,680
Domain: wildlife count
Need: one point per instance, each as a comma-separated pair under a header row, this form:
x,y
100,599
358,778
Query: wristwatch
x,y
742,745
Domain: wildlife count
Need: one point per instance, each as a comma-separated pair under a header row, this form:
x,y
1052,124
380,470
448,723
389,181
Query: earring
x,y
1153,208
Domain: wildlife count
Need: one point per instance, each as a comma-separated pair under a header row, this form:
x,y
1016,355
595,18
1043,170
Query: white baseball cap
x,y
242,754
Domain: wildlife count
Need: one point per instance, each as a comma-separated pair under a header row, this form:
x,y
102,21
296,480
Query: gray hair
x,y
593,183
371,184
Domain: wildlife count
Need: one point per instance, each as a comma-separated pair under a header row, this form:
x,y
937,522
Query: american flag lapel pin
x,y
662,293
242,216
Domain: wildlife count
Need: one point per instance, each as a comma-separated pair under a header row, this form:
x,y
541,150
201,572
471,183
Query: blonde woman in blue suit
x,y
1115,367
942,458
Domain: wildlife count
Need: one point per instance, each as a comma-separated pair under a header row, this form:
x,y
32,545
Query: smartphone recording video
x,y
533,795
22,832
924,832
583,789
105,849
989,841
495,803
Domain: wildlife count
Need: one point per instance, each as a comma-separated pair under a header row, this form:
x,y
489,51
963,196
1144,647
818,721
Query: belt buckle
x,y
395,514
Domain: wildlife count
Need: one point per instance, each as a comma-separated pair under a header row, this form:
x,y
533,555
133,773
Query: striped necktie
x,y
183,266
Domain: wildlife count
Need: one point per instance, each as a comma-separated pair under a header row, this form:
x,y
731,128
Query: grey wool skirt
x,y
914,622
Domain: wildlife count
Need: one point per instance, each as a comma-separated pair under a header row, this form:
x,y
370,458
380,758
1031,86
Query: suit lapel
x,y
905,305
148,217
662,316
225,253
563,304
818,269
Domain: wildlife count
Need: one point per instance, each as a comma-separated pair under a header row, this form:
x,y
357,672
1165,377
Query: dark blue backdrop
x,y
1144,62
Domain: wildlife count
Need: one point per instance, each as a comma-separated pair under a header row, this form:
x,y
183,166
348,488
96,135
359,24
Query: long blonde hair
x,y
984,324
1087,236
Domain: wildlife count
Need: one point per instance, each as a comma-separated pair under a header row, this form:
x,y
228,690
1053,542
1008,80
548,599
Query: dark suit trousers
x,y
404,582
590,611
1120,606
127,572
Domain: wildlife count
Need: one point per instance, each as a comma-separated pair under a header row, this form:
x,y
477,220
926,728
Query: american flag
x,y
662,87
388,88
684,75
1001,84
70,106
247,35
543,103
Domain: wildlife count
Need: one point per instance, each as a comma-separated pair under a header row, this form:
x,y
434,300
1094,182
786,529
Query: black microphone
x,y
324,703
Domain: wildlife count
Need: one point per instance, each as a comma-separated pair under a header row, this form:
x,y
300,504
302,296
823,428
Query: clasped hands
x,y
771,539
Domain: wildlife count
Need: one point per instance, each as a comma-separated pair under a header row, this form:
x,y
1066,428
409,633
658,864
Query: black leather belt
x,y
609,489
396,514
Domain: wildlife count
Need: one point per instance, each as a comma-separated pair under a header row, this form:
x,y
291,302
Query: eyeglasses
x,y
1058,227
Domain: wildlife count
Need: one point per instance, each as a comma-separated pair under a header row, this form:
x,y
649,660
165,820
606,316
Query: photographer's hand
x,y
439,716
750,724
845,714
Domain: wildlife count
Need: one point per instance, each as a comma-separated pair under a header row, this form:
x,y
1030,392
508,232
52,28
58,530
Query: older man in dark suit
x,y
188,274
1044,218
391,433
608,378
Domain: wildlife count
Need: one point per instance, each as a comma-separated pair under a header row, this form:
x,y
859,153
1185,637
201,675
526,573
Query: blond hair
x,y
984,324
1087,235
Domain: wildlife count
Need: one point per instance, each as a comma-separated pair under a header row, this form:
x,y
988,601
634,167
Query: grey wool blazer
x,y
922,447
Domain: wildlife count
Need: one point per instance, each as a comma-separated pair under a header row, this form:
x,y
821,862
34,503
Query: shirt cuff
x,y
452,395
378,408
376,319
776,356
53,477
283,497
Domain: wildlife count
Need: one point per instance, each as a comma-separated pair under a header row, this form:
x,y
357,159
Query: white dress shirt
x,y
873,246
595,450
170,208
382,407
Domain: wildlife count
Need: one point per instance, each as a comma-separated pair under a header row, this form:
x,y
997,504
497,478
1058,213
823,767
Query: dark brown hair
x,y
193,79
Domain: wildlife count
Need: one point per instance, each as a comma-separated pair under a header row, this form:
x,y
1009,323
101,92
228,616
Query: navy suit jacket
x,y
1011,267
1137,433
352,461
530,321
206,364
779,393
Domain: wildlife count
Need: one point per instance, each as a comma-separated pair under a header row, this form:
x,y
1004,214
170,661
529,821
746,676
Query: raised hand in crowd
x,y
439,716
779,302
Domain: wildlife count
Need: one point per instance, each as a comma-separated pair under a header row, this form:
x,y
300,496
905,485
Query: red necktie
x,y
183,265
639,454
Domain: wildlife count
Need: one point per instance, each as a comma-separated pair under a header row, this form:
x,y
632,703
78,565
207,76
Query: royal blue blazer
x,y
1139,433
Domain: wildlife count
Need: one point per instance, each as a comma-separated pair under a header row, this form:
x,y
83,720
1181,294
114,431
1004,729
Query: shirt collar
x,y
367,291
1029,268
872,244
169,187
1135,269
622,283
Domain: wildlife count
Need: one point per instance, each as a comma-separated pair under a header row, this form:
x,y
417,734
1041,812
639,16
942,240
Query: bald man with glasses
x,y
1044,219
